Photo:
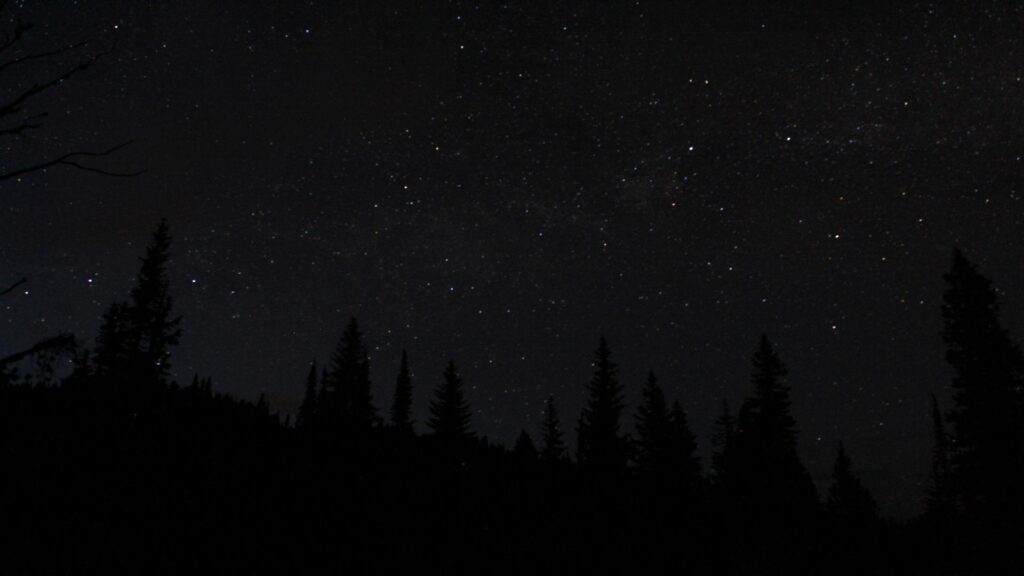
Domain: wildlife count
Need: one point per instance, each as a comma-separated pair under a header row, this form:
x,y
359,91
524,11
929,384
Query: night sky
x,y
501,184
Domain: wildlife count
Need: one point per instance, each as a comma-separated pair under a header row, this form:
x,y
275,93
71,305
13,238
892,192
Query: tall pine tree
x,y
401,405
553,447
349,402
652,428
152,331
770,475
848,500
987,419
600,445
449,412
308,409
682,463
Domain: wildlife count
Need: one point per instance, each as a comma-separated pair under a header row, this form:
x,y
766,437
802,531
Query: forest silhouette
x,y
116,467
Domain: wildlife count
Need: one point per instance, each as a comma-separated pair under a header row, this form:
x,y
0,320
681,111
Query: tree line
x,y
117,465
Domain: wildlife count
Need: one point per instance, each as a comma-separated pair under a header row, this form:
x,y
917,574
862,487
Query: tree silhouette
x,y
652,428
767,464
401,405
940,497
19,117
723,438
524,449
600,446
988,419
682,463
553,447
151,329
848,500
449,412
308,408
349,402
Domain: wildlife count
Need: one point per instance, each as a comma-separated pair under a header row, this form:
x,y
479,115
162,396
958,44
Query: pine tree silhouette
x,y
524,449
112,343
553,448
939,504
682,463
987,419
652,428
308,408
772,477
723,438
349,402
848,500
449,412
151,329
600,446
401,405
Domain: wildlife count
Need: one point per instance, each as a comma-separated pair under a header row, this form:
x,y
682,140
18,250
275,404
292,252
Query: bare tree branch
x,y
29,57
61,341
66,160
11,288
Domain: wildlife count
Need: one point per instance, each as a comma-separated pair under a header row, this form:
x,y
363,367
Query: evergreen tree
x,y
723,437
600,446
987,419
682,462
449,412
940,497
112,343
401,405
553,448
524,448
652,427
771,476
349,403
308,408
848,500
152,331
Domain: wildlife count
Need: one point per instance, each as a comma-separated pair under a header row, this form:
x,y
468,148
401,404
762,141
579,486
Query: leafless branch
x,y
61,341
11,288
67,160
37,56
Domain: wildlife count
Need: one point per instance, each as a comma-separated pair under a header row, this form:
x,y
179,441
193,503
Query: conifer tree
x,y
768,468
449,412
152,331
349,401
848,500
987,419
600,446
652,427
401,405
308,408
112,344
524,448
553,448
682,462
940,497
723,437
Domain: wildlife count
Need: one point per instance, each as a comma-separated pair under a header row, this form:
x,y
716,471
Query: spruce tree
x,y
682,462
723,437
553,448
308,408
940,498
652,428
401,405
848,500
600,446
524,448
771,477
987,419
449,412
152,330
112,344
349,402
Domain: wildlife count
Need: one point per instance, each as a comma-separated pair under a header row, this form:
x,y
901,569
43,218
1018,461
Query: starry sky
x,y
502,183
